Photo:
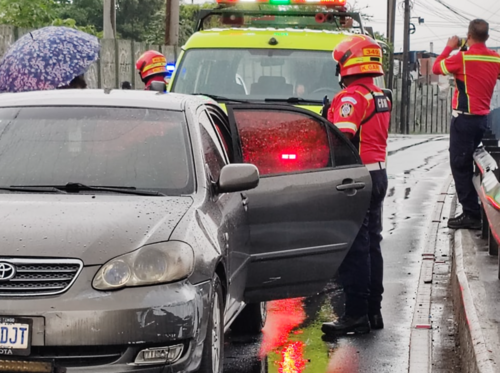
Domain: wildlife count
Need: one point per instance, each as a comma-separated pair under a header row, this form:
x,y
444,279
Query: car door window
x,y
222,128
344,154
214,154
282,142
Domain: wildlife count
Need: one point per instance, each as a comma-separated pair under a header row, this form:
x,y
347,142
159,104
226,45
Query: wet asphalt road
x,y
292,340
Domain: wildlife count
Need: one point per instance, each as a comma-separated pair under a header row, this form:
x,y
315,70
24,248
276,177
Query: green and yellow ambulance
x,y
269,51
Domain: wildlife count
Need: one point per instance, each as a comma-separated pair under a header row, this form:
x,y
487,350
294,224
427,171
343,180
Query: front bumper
x,y
87,330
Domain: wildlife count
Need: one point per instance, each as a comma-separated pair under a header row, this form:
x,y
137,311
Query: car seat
x,y
222,80
272,86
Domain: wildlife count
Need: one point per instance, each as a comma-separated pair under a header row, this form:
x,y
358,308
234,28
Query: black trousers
x,y
362,271
466,132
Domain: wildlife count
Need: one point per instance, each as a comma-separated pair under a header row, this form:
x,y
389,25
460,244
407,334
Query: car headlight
x,y
152,264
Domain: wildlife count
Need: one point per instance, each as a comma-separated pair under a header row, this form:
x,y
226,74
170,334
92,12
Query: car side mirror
x,y
237,178
158,87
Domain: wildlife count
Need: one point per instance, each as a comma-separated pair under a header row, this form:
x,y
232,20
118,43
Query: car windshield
x,y
97,146
257,74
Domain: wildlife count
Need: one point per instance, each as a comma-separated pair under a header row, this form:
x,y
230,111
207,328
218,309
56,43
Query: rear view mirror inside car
x,y
272,61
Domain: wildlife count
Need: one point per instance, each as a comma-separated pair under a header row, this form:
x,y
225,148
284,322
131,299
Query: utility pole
x,y
172,22
391,24
109,19
405,96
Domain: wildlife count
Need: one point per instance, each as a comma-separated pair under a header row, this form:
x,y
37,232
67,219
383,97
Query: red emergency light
x,y
289,156
339,3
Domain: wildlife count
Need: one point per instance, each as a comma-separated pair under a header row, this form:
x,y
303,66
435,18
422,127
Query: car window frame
x,y
216,114
329,127
212,132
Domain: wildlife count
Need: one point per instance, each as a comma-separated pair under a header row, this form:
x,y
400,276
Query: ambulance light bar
x,y
285,2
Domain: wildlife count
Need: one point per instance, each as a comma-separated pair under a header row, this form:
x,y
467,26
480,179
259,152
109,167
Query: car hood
x,y
94,228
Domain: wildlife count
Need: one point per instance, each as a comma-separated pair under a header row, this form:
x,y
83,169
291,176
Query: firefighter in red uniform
x,y
362,112
476,72
152,67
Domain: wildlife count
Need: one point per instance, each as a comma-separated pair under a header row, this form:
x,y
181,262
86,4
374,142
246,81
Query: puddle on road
x,y
292,342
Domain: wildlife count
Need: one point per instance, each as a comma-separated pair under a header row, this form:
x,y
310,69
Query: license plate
x,y
15,336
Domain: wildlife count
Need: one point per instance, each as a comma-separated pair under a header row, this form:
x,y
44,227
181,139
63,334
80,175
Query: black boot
x,y
347,324
465,221
456,218
376,320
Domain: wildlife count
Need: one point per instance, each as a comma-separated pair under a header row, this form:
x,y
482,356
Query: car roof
x,y
100,97
245,38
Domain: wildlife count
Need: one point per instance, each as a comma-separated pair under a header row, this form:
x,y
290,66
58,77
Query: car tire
x,y
212,359
251,320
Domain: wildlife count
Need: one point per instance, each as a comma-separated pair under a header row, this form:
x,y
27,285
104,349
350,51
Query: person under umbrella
x,y
48,58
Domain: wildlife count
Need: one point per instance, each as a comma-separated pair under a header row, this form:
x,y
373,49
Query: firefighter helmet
x,y
358,55
151,63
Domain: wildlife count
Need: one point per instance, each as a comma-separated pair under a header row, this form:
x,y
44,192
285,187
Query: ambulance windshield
x,y
257,74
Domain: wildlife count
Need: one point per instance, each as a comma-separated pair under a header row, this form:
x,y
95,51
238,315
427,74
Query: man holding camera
x,y
476,71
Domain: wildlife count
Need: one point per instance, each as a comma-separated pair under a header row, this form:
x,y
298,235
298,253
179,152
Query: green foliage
x,y
34,14
387,49
69,22
27,13
86,13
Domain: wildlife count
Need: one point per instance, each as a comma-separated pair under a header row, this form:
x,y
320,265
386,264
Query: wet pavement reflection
x,y
292,341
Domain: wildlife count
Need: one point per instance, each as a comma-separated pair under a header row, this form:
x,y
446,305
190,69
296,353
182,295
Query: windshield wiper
x,y
30,189
78,187
219,98
294,100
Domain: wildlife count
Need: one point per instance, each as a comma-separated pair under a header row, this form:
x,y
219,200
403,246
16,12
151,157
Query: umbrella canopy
x,y
47,58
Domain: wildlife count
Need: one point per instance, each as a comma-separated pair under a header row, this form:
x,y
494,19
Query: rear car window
x,y
256,74
98,146
281,142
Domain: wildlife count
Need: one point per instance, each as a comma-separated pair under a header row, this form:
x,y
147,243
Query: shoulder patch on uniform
x,y
349,99
346,110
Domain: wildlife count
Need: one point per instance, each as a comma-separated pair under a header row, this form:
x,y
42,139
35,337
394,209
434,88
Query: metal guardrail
x,y
488,188
489,182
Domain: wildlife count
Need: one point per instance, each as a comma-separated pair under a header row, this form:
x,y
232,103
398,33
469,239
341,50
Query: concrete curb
x,y
474,354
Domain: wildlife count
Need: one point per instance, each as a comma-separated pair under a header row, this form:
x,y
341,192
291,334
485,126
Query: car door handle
x,y
350,186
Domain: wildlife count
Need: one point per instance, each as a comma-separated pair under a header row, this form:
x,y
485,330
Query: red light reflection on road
x,y
282,317
292,360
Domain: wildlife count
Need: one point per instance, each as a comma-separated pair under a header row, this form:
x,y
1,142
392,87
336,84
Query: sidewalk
x,y
476,298
397,143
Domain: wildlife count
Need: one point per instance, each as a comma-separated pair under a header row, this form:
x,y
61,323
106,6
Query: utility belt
x,y
456,113
375,166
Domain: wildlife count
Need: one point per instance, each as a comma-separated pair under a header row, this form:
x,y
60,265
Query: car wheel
x,y
251,320
213,349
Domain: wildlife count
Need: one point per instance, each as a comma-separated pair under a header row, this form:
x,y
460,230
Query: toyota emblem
x,y
7,271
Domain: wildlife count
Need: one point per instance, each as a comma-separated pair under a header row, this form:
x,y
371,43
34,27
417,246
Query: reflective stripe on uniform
x,y
443,68
153,65
471,57
357,60
465,84
347,125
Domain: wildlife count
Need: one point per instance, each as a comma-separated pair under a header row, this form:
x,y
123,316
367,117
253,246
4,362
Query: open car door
x,y
312,198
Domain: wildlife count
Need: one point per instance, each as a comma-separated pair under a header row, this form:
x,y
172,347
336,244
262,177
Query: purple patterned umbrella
x,y
47,58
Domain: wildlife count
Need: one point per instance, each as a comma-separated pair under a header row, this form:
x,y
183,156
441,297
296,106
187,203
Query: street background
x,y
292,339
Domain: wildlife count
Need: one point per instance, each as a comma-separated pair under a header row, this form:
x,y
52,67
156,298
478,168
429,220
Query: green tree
x,y
35,14
187,23
28,13
134,18
86,13
387,49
